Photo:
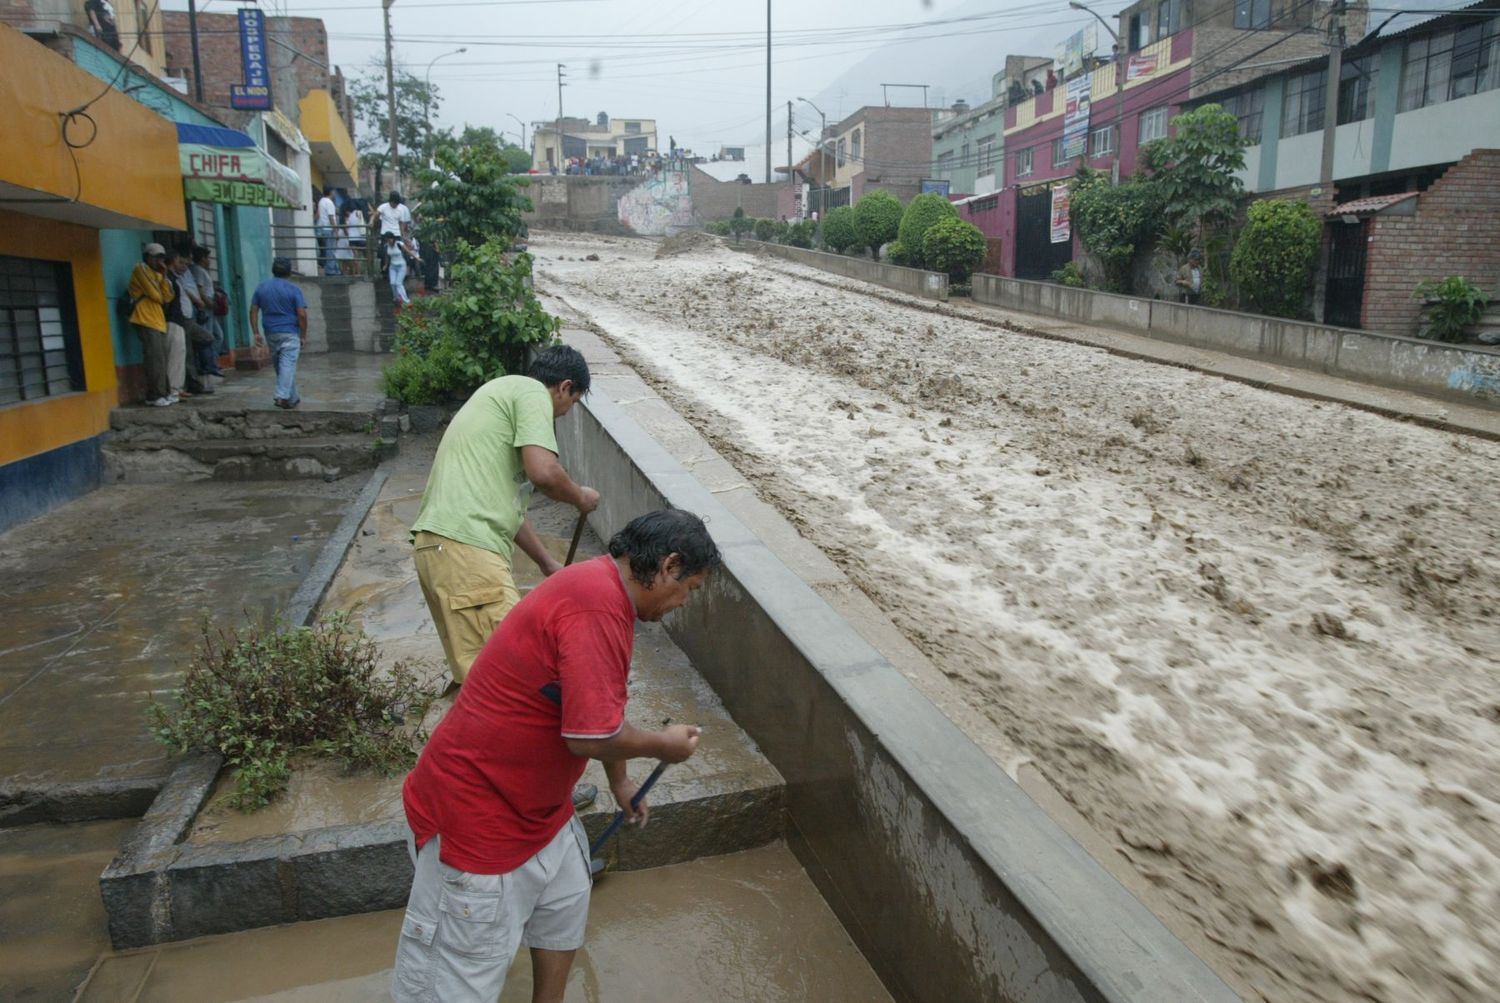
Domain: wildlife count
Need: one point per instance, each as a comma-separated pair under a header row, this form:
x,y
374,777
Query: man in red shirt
x,y
501,858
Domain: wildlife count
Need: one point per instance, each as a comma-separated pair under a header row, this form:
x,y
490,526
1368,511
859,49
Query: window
x,y
1102,142
39,348
1252,14
1248,108
856,147
1023,162
1357,89
1424,71
945,165
1302,105
840,152
1168,18
1059,157
1136,33
1153,125
633,128
986,161
1476,59
143,24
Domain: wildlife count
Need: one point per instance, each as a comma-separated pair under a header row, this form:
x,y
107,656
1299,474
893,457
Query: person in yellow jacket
x,y
150,290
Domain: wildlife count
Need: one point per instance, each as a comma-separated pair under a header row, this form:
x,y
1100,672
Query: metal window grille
x,y
40,354
1059,157
1302,104
1102,142
1248,108
986,155
1153,124
1023,162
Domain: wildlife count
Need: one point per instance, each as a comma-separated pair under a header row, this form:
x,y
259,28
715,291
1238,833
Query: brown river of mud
x,y
1250,637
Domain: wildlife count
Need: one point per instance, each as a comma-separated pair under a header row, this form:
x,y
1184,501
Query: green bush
x,y
924,210
764,229
877,220
951,245
895,253
259,697
779,229
719,228
486,325
1453,304
739,223
471,195
1069,275
1276,255
801,234
839,230
1114,221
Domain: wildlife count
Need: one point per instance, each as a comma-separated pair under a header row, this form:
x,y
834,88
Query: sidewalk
x,y
327,381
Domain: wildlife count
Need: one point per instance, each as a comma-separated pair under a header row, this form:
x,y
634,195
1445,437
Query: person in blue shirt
x,y
281,304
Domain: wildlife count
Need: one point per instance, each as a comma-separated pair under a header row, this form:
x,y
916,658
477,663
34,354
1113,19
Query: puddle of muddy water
x,y
743,928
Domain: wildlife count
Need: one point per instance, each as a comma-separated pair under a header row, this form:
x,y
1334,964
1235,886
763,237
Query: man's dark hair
x,y
558,363
281,267
172,255
200,254
649,539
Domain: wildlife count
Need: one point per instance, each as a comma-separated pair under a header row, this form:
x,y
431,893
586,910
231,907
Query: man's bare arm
x,y
543,470
673,743
531,545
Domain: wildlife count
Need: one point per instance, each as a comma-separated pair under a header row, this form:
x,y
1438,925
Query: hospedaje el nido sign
x,y
255,93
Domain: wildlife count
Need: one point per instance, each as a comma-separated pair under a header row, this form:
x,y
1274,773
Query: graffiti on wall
x,y
659,206
1481,378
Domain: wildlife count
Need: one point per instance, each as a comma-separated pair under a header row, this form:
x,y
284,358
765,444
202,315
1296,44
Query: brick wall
x,y
1455,231
897,151
219,54
714,199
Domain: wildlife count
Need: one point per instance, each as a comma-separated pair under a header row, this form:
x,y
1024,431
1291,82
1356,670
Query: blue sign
x,y
936,187
255,94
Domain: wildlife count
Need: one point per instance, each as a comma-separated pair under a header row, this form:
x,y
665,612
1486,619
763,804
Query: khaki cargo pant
x,y
468,591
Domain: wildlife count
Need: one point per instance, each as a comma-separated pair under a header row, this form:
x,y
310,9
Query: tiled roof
x,y
1370,205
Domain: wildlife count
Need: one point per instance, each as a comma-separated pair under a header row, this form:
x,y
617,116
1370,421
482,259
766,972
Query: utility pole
x,y
768,91
390,97
1330,128
560,76
791,175
1119,71
197,64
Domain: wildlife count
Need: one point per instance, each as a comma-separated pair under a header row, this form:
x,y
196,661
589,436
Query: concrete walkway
x,y
327,381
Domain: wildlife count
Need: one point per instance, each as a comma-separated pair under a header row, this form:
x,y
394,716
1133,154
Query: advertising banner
x,y
1070,54
1139,68
936,186
1076,116
255,93
239,175
1061,231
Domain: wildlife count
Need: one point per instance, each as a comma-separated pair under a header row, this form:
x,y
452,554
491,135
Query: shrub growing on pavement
x,y
1275,257
765,229
839,230
739,223
877,220
470,195
954,246
1454,303
719,227
924,210
801,233
895,253
259,697
1114,221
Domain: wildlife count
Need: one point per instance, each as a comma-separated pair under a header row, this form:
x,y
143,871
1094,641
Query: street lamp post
x,y
523,128
1119,91
427,94
822,157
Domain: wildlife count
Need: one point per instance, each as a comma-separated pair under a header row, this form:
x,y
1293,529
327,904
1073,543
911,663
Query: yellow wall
x,y
131,166
320,123
33,428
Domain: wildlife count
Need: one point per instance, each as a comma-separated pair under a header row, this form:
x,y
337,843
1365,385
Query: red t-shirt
x,y
496,779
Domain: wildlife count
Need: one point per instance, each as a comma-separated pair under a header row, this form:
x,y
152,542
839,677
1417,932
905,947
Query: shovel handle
x,y
635,802
577,535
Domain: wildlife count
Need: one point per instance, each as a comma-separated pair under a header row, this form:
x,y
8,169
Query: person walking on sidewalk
x,y
501,859
149,292
395,256
280,302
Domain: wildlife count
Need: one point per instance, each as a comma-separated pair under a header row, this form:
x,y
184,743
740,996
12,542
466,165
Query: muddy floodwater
x,y
743,928
1251,638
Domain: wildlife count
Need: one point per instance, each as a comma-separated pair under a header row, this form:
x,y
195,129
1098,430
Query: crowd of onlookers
x,y
176,309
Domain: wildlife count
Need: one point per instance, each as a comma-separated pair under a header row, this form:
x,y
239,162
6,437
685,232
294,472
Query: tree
x,y
954,246
924,210
470,195
1196,168
1114,221
739,223
839,229
367,94
1275,256
517,159
877,219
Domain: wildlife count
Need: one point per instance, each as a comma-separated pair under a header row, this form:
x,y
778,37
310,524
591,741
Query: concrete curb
x,y
304,601
916,282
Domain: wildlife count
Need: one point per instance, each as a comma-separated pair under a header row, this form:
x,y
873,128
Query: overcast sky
x,y
696,66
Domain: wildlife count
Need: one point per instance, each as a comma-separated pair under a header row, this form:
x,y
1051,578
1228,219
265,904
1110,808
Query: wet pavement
x,y
51,918
745,927
378,584
334,381
103,601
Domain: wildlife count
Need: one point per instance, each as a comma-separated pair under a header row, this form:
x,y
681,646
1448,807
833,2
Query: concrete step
x,y
312,457
205,423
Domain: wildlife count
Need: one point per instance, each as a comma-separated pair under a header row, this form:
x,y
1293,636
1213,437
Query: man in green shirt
x,y
499,446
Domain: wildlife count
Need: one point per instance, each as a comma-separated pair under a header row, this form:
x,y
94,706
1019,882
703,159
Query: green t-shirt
x,y
477,492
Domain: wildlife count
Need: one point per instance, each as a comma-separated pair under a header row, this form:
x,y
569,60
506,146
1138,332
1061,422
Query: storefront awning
x,y
223,165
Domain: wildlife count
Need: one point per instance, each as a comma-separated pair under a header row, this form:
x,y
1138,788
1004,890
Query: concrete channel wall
x,y
952,882
1463,372
914,281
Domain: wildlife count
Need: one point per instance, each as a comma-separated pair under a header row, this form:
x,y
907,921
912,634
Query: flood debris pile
x,y
1249,637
